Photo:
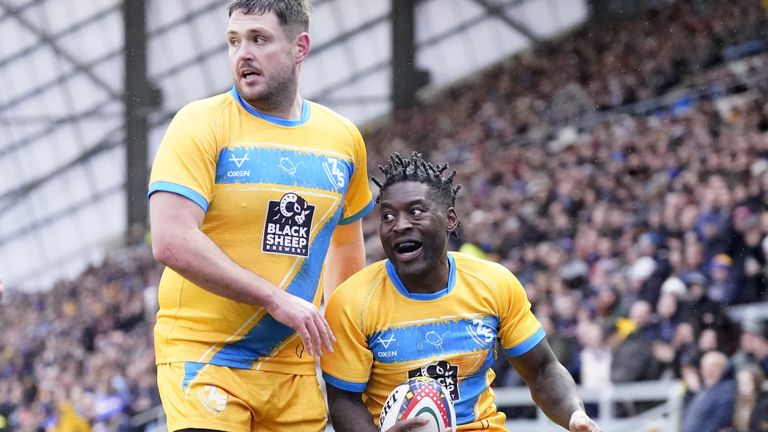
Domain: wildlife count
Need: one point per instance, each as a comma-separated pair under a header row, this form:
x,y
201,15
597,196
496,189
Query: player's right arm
x,y
178,243
348,413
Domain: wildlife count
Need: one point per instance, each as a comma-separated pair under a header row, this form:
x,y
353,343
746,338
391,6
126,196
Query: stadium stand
x,y
620,172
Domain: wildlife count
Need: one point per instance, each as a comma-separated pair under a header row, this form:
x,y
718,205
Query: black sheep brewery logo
x,y
288,224
445,373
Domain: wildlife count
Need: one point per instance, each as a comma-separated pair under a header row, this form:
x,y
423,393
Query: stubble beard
x,y
277,95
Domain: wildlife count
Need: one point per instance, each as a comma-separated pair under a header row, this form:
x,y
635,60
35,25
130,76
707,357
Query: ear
x,y
302,47
451,220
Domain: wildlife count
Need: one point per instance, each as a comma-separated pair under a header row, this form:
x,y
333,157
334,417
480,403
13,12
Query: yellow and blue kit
x,y
385,335
273,191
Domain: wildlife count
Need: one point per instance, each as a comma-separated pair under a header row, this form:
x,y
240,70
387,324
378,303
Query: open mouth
x,y
248,74
407,247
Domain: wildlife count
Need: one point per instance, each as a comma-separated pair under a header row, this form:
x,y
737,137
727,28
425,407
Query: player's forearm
x,y
350,416
197,258
346,256
555,392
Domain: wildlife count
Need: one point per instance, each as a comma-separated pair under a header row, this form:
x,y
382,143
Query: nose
x,y
245,51
402,223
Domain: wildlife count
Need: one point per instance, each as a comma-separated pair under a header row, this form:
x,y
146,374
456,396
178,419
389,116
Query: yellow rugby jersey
x,y
385,335
273,190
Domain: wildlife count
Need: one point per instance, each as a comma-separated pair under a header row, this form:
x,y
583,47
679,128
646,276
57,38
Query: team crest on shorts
x,y
288,224
213,398
442,371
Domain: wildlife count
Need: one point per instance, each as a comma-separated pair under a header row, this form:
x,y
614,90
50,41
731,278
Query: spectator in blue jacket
x,y
711,410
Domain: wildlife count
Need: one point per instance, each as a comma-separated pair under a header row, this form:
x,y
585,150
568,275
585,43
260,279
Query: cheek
x,y
382,235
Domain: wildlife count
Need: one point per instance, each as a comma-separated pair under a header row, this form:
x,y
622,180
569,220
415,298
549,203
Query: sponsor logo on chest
x,y
288,225
445,373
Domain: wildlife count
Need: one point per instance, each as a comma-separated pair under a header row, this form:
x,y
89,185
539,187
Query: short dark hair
x,y
415,168
288,12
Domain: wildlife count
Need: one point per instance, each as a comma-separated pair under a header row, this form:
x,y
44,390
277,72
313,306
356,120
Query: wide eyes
x,y
414,212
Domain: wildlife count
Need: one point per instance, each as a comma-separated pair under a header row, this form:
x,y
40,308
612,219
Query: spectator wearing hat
x,y
722,288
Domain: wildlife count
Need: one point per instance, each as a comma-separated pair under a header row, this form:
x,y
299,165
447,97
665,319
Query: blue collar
x,y
393,276
272,119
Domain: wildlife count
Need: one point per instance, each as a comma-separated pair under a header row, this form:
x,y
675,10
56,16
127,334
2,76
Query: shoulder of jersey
x,y
210,103
324,110
353,286
473,265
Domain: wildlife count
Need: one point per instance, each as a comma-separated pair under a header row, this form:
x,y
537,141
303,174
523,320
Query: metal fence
x,y
665,417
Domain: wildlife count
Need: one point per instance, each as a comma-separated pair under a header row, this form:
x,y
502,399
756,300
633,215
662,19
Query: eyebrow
x,y
248,31
411,203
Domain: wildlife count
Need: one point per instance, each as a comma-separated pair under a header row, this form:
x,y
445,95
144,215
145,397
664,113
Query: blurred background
x,y
613,153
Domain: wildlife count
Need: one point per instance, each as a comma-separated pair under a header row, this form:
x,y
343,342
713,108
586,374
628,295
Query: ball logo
x,y
287,226
419,397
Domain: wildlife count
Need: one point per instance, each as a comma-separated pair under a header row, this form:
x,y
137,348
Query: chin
x,y
409,269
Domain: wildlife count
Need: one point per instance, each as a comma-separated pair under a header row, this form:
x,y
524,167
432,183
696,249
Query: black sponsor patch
x,y
287,227
442,371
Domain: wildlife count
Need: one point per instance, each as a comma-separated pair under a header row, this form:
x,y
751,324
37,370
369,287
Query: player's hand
x,y
303,317
407,425
580,422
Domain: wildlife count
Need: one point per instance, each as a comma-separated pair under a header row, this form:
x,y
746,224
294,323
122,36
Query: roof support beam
x,y
138,101
498,10
58,50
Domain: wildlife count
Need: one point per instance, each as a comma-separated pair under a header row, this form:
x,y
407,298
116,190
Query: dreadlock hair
x,y
416,169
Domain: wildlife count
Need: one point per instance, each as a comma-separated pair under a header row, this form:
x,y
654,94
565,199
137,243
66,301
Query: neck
x,y
290,109
430,281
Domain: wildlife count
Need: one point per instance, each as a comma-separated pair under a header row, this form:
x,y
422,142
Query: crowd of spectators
x,y
80,357
631,229
634,228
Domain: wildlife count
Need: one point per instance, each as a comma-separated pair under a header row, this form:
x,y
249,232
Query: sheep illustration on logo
x,y
292,205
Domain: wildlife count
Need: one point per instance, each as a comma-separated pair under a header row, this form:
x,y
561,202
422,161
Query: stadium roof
x,y
62,152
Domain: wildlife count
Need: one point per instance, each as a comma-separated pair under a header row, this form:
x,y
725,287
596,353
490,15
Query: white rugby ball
x,y
419,397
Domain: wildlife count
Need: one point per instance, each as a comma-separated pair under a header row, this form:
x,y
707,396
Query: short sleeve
x,y
358,200
519,330
348,367
185,163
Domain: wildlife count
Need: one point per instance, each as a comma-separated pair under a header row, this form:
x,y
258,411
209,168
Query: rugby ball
x,y
419,397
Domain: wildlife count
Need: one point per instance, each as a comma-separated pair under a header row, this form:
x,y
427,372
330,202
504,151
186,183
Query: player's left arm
x,y
346,255
553,388
348,413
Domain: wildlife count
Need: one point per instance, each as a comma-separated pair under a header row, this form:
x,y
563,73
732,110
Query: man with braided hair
x,y
427,312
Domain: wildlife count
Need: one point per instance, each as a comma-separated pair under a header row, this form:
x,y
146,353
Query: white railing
x,y
665,417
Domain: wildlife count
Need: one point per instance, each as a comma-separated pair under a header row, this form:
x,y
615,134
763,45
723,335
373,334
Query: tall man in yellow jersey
x,y
250,191
425,312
